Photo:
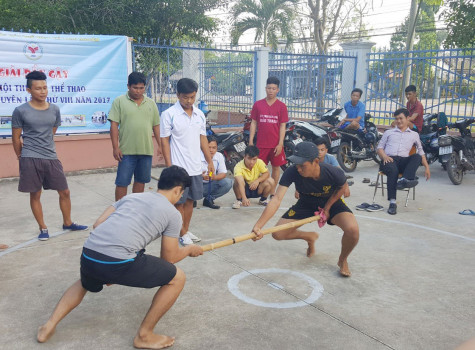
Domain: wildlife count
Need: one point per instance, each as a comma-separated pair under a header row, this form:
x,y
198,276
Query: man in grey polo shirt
x,y
39,164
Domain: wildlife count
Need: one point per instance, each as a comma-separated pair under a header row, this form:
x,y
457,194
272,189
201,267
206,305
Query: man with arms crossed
x,y
114,254
39,164
133,117
320,185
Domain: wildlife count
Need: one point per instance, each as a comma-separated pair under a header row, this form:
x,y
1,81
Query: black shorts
x,y
38,172
144,271
302,210
251,193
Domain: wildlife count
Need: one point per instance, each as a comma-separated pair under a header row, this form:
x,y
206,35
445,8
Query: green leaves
x,y
271,20
164,19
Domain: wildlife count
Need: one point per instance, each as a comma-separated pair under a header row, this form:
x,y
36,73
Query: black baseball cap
x,y
304,152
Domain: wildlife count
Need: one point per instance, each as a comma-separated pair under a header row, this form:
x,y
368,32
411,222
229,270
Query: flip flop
x,y
375,207
467,212
363,206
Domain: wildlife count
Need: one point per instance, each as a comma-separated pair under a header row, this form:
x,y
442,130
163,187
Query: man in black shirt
x,y
320,186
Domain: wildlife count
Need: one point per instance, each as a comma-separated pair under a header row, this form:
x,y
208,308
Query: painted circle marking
x,y
317,288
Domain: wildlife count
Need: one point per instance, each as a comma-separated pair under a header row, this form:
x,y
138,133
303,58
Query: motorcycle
x,y
231,144
356,145
458,152
291,139
430,137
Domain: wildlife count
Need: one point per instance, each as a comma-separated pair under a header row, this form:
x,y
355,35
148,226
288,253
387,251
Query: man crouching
x,y
114,254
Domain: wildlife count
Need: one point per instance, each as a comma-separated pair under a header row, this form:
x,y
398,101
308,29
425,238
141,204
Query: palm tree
x,y
270,19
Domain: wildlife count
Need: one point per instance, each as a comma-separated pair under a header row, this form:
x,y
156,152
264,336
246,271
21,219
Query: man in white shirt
x,y
183,134
219,184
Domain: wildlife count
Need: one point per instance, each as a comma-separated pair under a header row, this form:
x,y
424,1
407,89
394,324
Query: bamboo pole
x,y
266,231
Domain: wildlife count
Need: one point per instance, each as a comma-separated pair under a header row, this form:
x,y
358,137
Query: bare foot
x,y
44,333
153,341
344,269
311,246
3,246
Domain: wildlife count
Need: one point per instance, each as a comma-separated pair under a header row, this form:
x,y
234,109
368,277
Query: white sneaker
x,y
237,204
193,237
185,240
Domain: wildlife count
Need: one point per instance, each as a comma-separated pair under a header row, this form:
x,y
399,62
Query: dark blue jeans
x,y
218,188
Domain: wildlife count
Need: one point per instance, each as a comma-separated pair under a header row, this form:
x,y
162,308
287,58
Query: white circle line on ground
x,y
418,226
317,289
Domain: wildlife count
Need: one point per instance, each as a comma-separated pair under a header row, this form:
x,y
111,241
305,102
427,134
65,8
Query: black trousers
x,y
407,166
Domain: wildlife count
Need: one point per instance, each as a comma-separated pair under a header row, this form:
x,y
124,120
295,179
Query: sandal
x,y
467,212
363,206
366,180
375,207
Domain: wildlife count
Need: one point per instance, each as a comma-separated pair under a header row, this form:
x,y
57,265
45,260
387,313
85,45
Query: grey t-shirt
x,y
138,219
37,128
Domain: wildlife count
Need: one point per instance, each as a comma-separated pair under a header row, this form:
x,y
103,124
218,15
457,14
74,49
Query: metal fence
x,y
445,81
311,83
226,77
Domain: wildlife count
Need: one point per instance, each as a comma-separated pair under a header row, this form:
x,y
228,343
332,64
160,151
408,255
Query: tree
x,y
158,19
460,20
271,20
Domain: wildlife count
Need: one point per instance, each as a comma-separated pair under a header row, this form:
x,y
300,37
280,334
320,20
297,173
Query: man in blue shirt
x,y
355,111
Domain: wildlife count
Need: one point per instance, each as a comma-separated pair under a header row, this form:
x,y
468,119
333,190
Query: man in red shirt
x,y
269,116
415,108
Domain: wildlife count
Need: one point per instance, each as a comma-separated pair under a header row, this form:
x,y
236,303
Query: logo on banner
x,y
33,51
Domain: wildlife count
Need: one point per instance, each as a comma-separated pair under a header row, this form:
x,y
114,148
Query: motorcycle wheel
x,y
289,149
454,169
346,163
233,159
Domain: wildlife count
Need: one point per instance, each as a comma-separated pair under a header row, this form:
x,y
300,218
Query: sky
x,y
382,18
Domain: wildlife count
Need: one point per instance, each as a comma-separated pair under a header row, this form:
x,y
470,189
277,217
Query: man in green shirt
x,y
133,117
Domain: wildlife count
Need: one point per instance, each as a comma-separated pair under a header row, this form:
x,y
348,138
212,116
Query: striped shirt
x,y
396,142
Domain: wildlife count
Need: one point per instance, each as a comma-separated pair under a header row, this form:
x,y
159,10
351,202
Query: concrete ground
x,y
412,285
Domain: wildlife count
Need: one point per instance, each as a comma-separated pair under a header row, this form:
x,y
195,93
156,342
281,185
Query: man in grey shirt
x,y
39,164
114,254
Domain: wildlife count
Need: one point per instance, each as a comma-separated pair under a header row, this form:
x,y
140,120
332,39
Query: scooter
x,y
458,152
356,145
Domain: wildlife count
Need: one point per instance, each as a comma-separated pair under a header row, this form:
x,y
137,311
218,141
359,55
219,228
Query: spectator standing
x,y
133,118
39,164
183,134
269,116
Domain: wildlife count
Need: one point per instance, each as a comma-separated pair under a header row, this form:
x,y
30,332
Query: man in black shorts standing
x,y
320,186
39,164
114,254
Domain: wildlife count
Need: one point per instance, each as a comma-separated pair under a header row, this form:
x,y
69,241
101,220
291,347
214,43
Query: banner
x,y
84,75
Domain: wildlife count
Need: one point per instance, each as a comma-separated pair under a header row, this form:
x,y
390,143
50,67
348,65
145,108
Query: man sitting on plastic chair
x,y
394,149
